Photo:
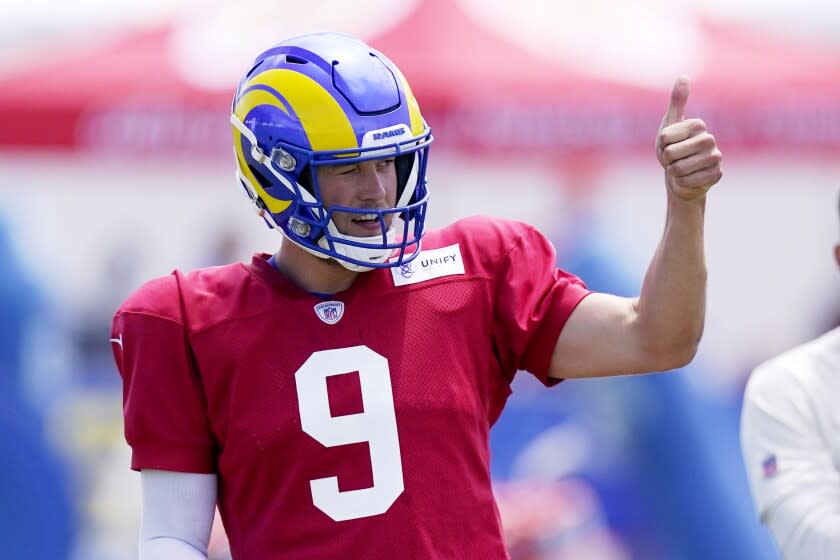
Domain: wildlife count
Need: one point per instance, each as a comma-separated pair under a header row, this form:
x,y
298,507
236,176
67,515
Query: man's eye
x,y
347,170
382,163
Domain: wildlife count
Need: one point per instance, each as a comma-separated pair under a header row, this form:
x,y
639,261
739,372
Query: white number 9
x,y
377,425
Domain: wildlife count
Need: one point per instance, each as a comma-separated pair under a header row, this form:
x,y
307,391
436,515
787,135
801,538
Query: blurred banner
x,y
556,79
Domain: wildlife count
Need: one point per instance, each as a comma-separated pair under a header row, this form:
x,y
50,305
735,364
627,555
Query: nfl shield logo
x,y
330,312
769,466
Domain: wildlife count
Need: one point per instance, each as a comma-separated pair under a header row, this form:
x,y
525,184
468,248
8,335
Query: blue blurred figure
x,y
36,518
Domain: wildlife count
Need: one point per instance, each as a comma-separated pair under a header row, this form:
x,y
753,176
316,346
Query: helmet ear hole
x,y
263,180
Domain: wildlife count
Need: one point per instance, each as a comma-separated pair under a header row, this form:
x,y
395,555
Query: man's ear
x,y
837,253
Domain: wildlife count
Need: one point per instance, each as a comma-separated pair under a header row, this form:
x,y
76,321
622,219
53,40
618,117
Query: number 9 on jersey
x,y
377,425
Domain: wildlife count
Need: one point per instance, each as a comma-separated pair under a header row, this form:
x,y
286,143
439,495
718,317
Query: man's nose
x,y
371,186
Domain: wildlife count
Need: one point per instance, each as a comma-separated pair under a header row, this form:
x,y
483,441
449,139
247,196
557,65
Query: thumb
x,y
679,97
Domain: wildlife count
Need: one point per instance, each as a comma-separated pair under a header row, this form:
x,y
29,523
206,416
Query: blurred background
x,y
116,166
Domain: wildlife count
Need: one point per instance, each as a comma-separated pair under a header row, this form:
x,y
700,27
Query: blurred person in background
x,y
36,515
790,435
335,398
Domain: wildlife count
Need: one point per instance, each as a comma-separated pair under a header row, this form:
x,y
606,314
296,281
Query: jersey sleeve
x,y
534,299
164,411
794,482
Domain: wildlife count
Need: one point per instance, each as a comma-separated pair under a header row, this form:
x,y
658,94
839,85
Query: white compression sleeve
x,y
178,510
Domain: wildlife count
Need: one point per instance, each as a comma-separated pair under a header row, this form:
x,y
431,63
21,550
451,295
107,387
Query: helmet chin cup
x,y
352,255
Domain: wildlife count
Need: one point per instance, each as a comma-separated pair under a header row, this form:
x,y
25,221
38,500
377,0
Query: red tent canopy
x,y
479,91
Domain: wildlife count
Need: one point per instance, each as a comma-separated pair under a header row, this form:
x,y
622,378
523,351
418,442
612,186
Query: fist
x,y
686,150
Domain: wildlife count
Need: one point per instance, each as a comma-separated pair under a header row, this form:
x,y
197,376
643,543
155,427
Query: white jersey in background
x,y
790,436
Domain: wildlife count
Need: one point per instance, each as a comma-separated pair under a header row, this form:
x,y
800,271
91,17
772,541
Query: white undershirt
x,y
178,510
790,436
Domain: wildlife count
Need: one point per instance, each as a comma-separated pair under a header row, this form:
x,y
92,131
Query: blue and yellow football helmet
x,y
324,99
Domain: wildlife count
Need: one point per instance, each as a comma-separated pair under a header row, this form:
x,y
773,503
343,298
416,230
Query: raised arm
x,y
661,328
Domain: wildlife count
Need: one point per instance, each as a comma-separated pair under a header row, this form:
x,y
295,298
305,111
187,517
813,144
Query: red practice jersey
x,y
350,427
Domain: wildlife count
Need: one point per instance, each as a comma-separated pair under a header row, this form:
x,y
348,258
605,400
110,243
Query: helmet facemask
x,y
329,99
308,223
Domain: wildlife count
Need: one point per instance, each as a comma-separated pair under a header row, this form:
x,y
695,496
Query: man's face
x,y
369,184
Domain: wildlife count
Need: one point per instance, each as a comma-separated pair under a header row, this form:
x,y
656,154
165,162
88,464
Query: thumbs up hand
x,y
686,150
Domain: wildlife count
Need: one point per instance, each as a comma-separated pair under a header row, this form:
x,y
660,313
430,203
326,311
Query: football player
x,y
335,398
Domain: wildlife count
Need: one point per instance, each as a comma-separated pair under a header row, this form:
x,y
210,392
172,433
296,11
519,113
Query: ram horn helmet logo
x,y
330,312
